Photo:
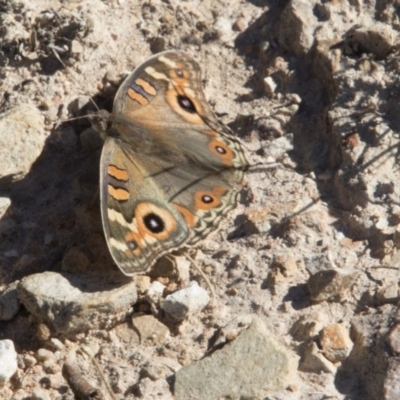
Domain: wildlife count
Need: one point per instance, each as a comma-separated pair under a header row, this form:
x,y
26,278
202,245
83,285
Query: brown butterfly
x,y
170,171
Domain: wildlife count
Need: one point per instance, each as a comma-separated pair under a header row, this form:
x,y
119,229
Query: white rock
x,y
186,301
155,292
40,394
8,360
269,85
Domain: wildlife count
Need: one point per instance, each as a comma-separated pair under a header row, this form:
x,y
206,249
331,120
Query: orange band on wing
x,y
137,97
147,87
118,193
117,173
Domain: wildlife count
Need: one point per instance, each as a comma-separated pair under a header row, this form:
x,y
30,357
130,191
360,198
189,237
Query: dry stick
x,y
103,378
203,275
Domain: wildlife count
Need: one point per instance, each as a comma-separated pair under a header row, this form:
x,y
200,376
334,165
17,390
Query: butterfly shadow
x,y
54,222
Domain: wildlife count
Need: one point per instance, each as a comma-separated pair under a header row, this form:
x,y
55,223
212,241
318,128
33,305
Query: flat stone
x,y
22,139
251,366
150,329
8,361
71,304
330,284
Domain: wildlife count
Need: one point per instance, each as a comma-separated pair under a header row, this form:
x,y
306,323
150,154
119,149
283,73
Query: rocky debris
x,y
335,342
71,303
330,284
150,329
155,293
252,365
391,388
8,361
311,90
309,326
314,361
388,294
9,303
185,302
149,389
393,338
22,139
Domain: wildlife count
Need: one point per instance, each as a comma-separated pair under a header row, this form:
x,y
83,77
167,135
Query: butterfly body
x,y
169,169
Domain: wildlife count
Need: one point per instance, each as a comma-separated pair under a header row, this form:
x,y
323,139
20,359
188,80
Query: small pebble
x,y
29,360
56,344
269,85
186,301
50,367
155,292
335,342
44,355
240,25
40,394
393,339
42,332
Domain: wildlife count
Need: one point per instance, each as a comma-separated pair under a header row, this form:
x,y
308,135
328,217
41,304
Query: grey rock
x,y
297,33
9,303
8,361
22,138
250,366
70,304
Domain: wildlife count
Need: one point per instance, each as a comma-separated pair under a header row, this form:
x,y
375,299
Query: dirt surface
x,y
311,88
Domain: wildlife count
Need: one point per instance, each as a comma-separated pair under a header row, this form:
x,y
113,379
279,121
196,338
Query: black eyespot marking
x,y
207,199
132,245
220,150
154,223
179,72
186,104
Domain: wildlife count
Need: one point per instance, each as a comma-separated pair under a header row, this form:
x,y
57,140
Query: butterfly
x,y
169,170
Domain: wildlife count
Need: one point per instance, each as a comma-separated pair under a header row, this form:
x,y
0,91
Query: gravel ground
x,y
305,270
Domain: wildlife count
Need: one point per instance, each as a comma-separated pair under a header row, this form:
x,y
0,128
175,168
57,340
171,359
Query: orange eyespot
x,y
221,150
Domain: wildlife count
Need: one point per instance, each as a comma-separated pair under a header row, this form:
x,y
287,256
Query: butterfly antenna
x,y
54,50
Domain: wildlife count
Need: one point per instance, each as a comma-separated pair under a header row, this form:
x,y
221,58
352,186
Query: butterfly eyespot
x,y
207,199
220,150
186,104
132,245
154,223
